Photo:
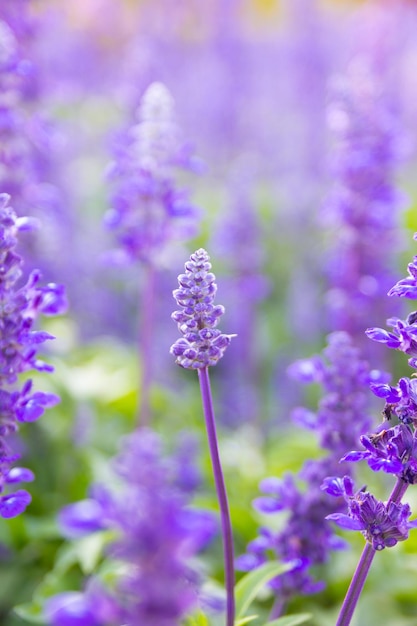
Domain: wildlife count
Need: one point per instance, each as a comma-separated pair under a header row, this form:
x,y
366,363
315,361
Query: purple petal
x,y
20,475
81,518
355,455
383,336
267,505
345,521
14,504
69,608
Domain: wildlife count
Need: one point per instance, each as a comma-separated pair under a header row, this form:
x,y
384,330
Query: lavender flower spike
x,y
19,307
202,343
201,346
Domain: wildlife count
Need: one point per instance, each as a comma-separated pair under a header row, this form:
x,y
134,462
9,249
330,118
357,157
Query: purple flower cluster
x,y
343,415
401,399
363,206
382,524
392,450
202,343
305,540
157,535
19,344
149,209
344,412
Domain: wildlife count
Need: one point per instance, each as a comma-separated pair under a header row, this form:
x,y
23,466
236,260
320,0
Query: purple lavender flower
x,y
363,206
305,539
382,524
342,416
149,209
157,532
401,399
407,287
202,343
392,450
344,412
19,342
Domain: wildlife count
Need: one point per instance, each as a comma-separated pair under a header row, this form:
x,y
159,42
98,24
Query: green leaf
x,y
250,585
290,620
31,612
198,619
245,620
90,549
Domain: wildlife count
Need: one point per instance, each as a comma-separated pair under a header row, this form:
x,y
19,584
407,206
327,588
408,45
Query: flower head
x,y
383,524
149,209
202,343
157,535
392,450
19,344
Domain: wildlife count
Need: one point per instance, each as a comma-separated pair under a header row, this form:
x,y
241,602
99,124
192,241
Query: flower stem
x,y
221,493
356,586
146,339
362,569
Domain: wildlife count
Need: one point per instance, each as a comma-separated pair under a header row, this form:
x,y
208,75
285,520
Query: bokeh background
x,y
284,105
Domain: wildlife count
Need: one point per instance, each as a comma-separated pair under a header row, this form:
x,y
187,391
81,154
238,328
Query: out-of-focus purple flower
x,y
343,413
392,450
237,239
305,539
382,524
70,608
157,534
342,416
364,205
202,343
19,343
149,209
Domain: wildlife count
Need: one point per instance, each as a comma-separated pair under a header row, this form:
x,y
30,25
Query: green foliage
x,y
252,583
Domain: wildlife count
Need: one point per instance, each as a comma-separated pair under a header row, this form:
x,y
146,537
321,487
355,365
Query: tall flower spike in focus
x,y
202,343
389,449
19,308
201,346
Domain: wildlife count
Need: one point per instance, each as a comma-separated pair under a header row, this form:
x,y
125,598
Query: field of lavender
x,y
208,261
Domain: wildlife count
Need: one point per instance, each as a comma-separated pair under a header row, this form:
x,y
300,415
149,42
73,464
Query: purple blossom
x,y
343,413
364,204
382,524
342,416
392,450
149,209
407,287
202,343
20,341
304,540
401,400
157,535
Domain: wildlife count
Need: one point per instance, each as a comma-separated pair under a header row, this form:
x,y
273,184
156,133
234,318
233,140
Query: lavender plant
x,y
149,208
20,341
202,345
362,208
343,415
391,449
154,537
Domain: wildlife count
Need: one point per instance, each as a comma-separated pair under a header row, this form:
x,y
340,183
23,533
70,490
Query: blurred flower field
x,y
208,398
